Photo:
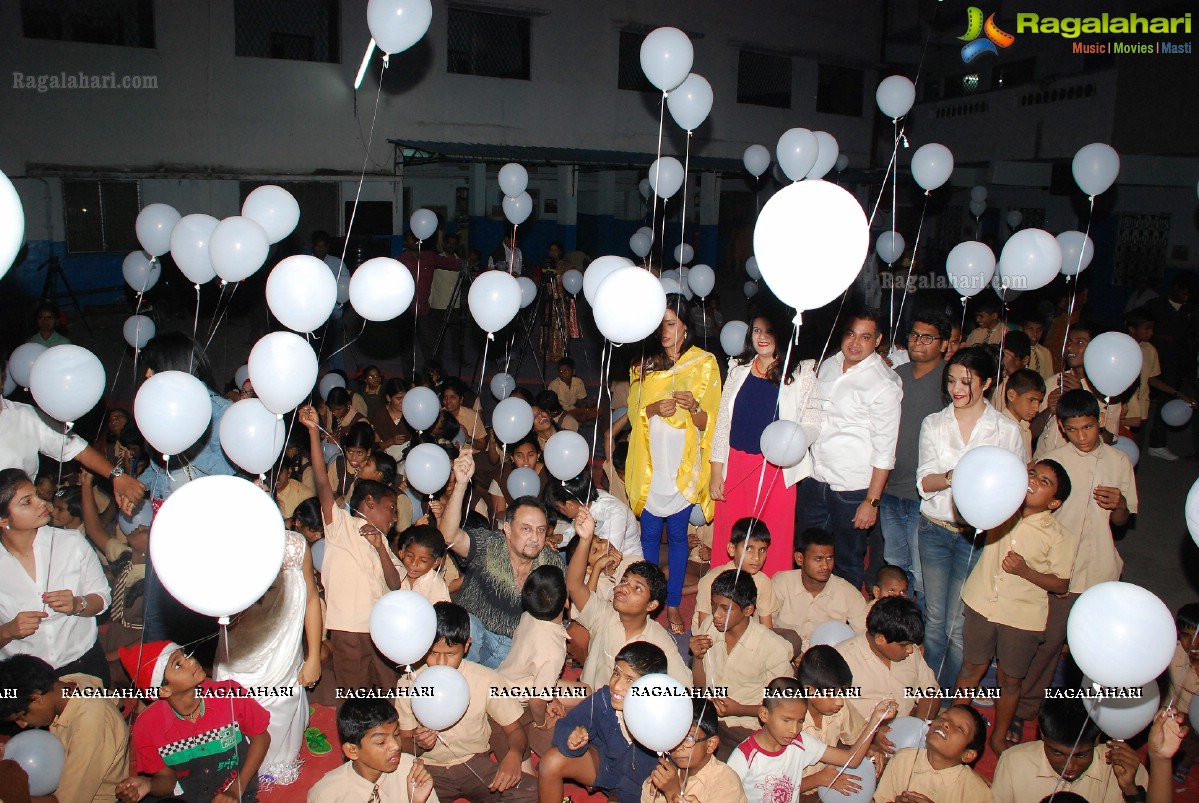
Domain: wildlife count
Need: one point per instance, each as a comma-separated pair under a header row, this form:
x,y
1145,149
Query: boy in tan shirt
x,y
749,556
827,678
885,662
692,772
940,772
812,595
1024,392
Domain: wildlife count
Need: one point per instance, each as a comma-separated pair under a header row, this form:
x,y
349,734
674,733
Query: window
x,y
492,45
128,23
1010,74
298,30
630,75
101,215
764,80
839,90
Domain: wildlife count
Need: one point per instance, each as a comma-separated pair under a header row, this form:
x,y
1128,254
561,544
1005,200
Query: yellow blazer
x,y
695,371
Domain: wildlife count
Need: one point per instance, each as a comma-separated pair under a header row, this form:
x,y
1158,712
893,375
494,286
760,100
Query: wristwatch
x,y
1138,796
949,478
117,471
874,502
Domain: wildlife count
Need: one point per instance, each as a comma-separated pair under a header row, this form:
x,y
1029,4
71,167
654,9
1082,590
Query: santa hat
x,y
153,658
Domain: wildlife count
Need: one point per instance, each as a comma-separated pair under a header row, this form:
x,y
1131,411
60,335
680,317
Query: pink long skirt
x,y
774,505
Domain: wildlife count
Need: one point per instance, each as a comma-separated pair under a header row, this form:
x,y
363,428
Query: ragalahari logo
x,y
975,28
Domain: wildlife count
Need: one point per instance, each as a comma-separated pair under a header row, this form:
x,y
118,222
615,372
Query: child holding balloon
x,y
692,772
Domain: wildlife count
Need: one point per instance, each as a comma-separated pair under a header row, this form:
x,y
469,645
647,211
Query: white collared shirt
x,y
25,431
63,560
941,448
861,421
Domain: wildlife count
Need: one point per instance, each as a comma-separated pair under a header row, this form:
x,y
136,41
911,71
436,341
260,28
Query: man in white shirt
x,y
507,256
855,452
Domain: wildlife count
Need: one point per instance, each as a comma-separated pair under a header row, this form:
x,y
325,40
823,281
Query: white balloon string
x,y
828,340
894,205
352,342
962,325
1073,751
219,320
599,400
911,269
474,427
653,198
1082,248
845,766
683,213
216,310
224,623
191,357
113,387
416,313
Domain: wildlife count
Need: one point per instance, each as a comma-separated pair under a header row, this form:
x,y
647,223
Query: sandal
x,y
677,626
318,742
1015,732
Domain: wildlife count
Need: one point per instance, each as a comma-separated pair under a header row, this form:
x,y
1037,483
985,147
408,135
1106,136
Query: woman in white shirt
x,y
51,585
758,391
949,547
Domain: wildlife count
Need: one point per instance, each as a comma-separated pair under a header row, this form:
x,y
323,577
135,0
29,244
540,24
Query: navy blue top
x,y
623,766
753,411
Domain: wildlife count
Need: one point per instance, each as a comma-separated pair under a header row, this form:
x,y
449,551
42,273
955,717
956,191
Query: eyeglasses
x,y
924,340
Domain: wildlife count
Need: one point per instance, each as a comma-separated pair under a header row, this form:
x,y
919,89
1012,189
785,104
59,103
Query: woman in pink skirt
x,y
758,391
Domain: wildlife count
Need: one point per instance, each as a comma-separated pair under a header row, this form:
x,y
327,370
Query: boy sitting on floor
x,y
691,772
939,771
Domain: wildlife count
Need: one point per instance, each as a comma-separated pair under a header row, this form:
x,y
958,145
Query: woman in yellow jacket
x,y
674,395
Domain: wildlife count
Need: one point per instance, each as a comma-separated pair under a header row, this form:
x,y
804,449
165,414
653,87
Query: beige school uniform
x,y
569,395
291,495
429,585
95,739
1004,598
1096,559
538,653
1184,681
608,638
715,783
985,337
1041,361
1052,438
759,657
880,682
1023,774
802,612
615,483
352,575
605,586
470,735
345,785
767,605
1025,434
1151,366
909,771
843,727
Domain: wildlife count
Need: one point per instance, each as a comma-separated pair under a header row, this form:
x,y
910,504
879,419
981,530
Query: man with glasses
x,y
899,516
855,452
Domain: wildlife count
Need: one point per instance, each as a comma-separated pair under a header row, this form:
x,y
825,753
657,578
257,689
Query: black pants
x,y
91,663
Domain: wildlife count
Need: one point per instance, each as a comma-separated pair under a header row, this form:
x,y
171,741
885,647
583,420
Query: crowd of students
x,y
560,585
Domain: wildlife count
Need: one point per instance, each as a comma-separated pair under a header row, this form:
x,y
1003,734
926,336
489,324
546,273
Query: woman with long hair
x,y
759,390
674,394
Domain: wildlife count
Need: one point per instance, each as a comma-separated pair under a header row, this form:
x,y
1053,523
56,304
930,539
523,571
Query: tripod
x,y
54,275
550,308
455,309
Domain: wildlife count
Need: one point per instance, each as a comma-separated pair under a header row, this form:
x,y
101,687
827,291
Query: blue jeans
x,y
900,519
676,548
946,558
820,506
487,648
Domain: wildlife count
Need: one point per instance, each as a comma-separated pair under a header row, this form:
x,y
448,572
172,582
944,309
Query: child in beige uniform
x,y
748,556
826,678
940,771
812,595
692,771
422,552
1024,393
885,661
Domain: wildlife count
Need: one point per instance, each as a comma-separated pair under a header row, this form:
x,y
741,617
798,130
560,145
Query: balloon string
x,y
683,214
416,312
894,203
911,269
234,726
845,766
653,200
220,320
191,358
217,308
1073,751
470,445
599,400
352,342
829,339
973,543
113,387
1082,248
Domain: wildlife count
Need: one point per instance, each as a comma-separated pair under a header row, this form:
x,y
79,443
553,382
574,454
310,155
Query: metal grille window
x,y
299,30
839,90
764,79
100,215
492,45
128,23
629,72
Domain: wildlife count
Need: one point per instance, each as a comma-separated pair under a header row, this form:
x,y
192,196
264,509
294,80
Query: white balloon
x,y
1030,259
10,386
403,625
989,485
905,732
1095,168
732,337
751,268
523,482
138,330
666,57
514,179
932,164
750,289
1077,252
1175,413
895,96
502,386
572,281
397,25
784,443
1112,362
318,554
658,712
826,154
241,375
342,277
670,286
646,229
683,253
665,176
20,362
41,756
12,224
756,160
1120,634
427,468
889,246
644,188
697,517
421,408
198,513
599,269
830,633
690,102
1191,512
566,454
512,420
796,152
282,370
252,436
328,382
301,292
970,266
494,300
517,209
423,223
141,271
447,699
1129,447
172,410
1123,717
978,193
864,776
190,241
153,227
66,381
629,305
702,280
810,241
238,248
842,162
528,291
1014,218
977,208
641,243
273,208
381,289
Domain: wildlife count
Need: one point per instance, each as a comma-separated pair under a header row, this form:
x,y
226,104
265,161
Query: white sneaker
x,y
1163,453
